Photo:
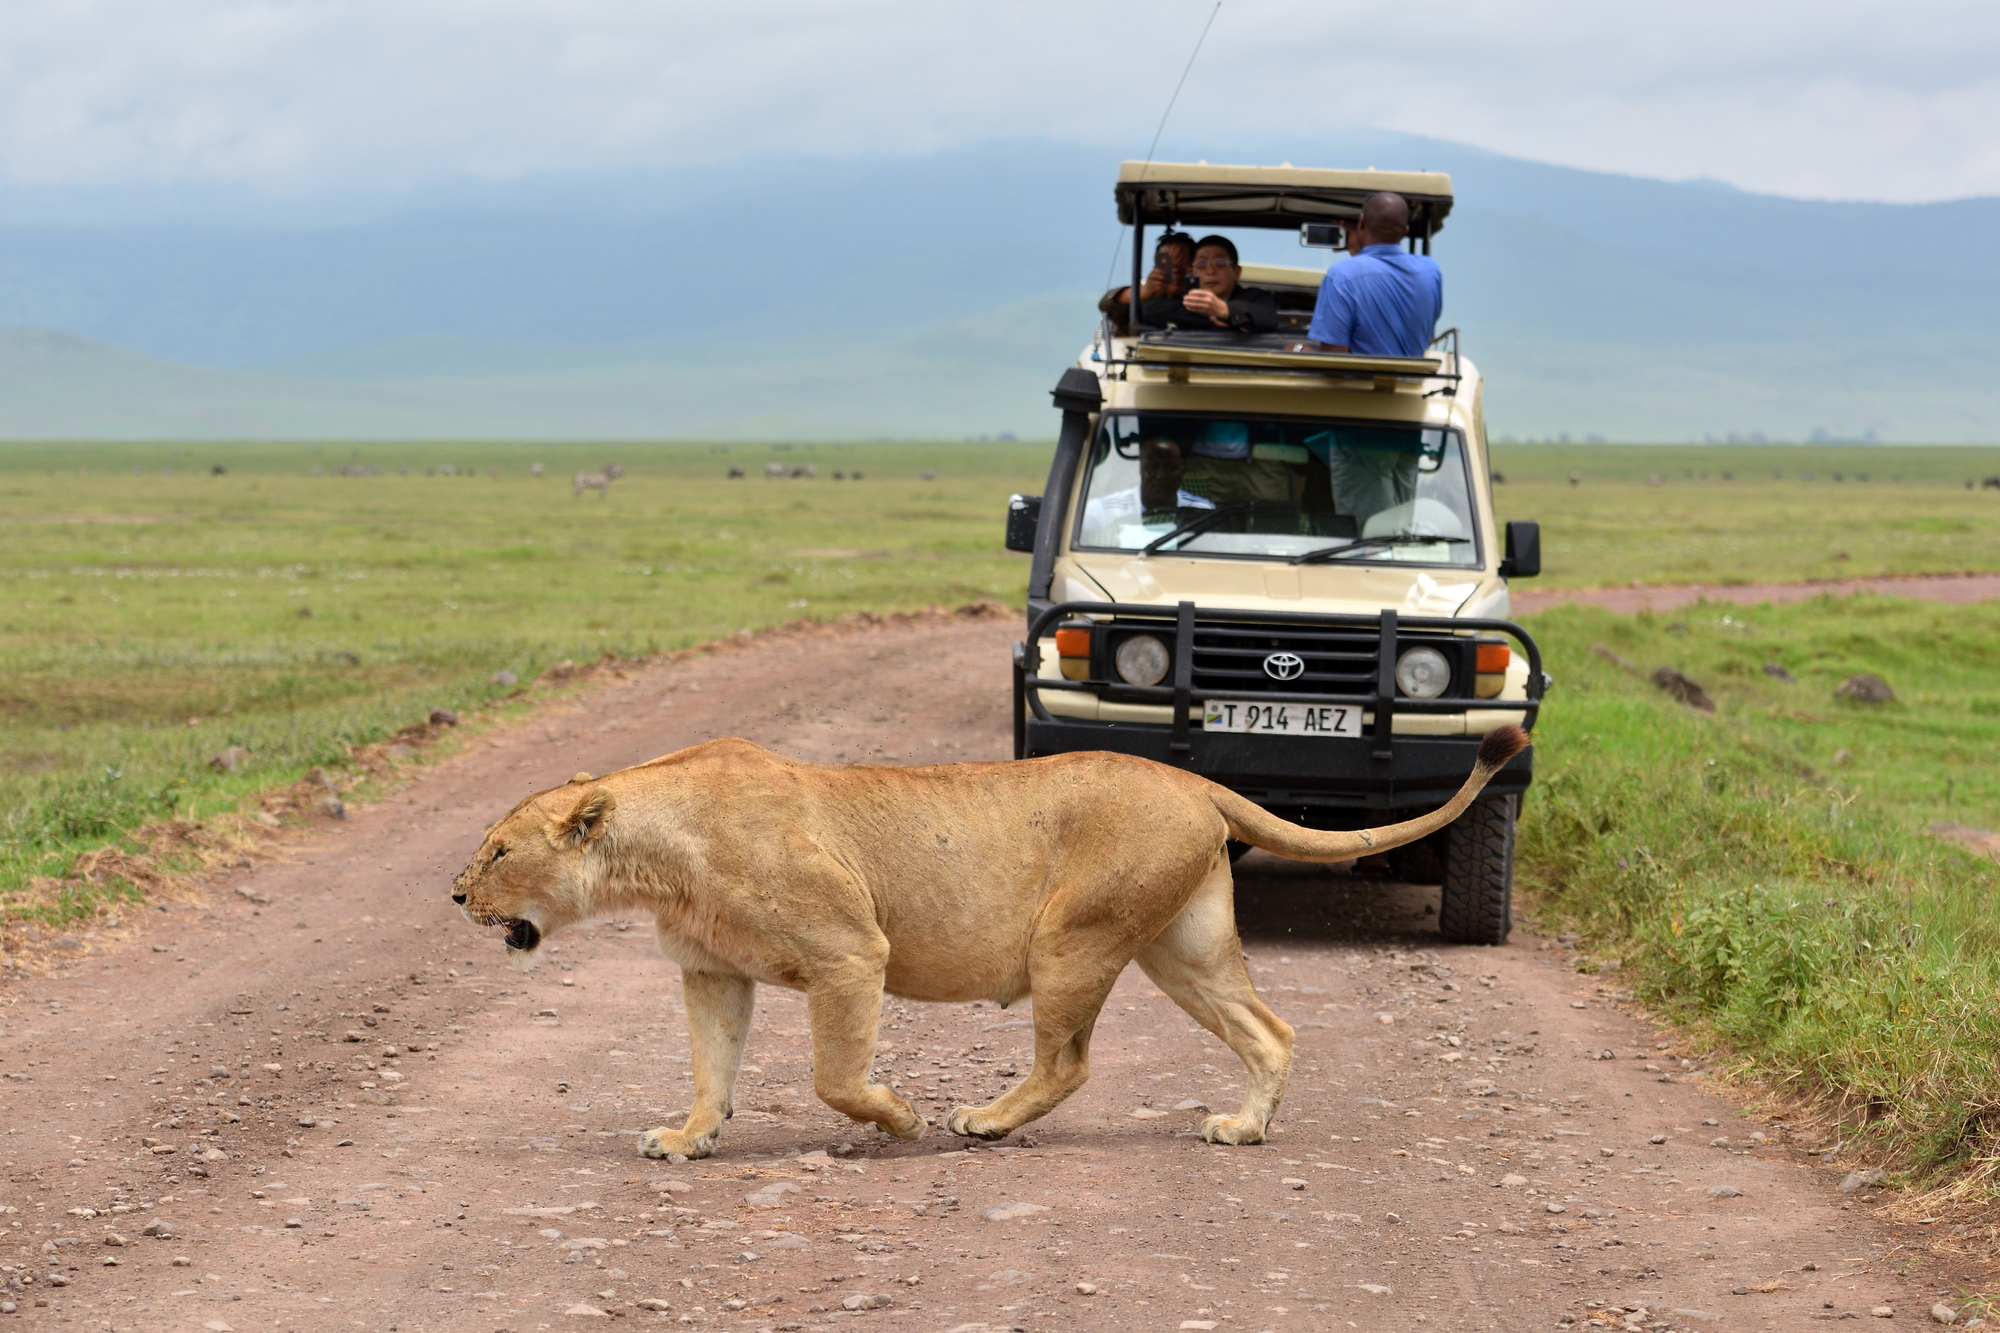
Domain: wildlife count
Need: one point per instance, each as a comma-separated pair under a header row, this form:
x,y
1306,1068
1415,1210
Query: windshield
x,y
1304,491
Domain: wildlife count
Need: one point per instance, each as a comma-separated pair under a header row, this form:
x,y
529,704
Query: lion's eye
x,y
499,852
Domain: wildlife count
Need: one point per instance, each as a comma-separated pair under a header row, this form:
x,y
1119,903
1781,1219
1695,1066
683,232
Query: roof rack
x,y
1200,195
1178,357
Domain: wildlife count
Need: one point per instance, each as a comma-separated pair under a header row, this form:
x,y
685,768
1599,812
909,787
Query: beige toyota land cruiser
x,y
1280,568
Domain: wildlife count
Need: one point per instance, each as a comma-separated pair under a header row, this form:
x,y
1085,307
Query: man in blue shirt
x,y
1383,301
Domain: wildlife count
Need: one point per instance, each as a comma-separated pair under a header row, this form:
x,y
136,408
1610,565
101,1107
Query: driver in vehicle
x,y
1154,500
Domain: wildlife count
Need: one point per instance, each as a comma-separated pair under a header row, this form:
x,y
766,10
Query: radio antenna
x,y
1160,129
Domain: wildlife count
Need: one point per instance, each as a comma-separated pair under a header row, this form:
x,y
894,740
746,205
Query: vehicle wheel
x,y
1235,849
1476,901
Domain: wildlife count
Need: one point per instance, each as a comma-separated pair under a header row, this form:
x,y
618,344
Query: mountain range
x,y
941,296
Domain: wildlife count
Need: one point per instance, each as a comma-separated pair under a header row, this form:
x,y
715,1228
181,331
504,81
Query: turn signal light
x,y
1073,648
1493,661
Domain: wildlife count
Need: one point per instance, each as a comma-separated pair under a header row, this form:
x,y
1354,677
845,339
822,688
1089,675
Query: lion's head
x,y
539,865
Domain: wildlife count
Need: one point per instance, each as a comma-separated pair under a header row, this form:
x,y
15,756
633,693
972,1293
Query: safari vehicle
x,y
1279,568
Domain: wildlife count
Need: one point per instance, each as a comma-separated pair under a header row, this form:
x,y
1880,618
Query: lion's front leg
x,y
845,1010
718,1011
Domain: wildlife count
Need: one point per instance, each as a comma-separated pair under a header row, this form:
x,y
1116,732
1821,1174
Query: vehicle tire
x,y
1476,901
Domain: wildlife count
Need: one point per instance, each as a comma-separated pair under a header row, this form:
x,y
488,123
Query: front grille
x,y
1338,660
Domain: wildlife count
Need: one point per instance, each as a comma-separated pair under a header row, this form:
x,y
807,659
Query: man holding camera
x,y
1383,301
1173,266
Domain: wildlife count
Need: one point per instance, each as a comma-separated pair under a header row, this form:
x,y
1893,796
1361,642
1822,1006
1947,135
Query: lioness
x,y
1040,878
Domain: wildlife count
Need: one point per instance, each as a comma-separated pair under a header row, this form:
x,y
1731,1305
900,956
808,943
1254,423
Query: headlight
x,y
1422,673
1142,660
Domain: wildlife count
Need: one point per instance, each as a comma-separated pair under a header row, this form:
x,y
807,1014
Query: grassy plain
x,y
1744,513
1764,872
154,612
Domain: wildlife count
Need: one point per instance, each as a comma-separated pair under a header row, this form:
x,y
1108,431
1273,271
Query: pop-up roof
x,y
1198,195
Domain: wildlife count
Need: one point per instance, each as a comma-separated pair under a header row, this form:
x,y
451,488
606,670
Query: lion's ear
x,y
585,820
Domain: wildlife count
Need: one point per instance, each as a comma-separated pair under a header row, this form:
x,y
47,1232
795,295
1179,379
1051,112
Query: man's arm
x,y
1332,327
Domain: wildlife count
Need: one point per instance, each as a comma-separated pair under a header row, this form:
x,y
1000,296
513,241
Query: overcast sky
x,y
1834,99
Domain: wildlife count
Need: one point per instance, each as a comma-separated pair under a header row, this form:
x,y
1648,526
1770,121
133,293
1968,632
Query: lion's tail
x,y
1260,828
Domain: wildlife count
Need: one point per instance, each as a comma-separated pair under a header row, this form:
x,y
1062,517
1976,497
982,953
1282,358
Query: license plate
x,y
1281,719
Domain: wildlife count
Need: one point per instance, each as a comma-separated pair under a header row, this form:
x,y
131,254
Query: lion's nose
x,y
458,898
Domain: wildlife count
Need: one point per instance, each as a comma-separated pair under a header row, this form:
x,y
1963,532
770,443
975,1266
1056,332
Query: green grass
x,y
155,612
1766,872
1739,514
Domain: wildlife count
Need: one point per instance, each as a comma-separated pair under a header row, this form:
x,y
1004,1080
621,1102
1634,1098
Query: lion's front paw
x,y
1232,1129
669,1142
968,1122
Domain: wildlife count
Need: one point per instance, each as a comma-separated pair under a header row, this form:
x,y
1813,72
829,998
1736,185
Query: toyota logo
x,y
1284,666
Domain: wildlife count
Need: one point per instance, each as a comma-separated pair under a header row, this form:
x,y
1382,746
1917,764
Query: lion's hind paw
x,y
1231,1129
965,1122
673,1143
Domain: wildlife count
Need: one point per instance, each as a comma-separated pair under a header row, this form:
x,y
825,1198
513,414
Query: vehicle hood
x,y
1253,585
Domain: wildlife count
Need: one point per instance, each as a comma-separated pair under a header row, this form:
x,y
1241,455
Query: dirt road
x,y
321,1101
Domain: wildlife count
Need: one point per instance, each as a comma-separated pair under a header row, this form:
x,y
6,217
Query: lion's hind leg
x,y
1070,973
845,1010
1198,961
718,1010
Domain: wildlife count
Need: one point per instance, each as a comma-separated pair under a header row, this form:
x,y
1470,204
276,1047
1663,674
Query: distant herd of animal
x,y
600,481
788,471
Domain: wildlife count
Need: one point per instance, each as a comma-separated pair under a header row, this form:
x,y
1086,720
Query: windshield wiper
x,y
1372,544
1197,524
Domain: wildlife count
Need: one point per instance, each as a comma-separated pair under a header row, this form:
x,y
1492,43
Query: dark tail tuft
x,y
1500,745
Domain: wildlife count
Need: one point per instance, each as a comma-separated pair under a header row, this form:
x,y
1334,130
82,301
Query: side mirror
x,y
1024,516
1524,550
1323,236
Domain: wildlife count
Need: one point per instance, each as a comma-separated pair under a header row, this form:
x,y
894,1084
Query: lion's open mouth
x,y
523,935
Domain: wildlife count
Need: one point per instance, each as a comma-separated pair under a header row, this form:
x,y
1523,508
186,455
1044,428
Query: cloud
x,y
1835,100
